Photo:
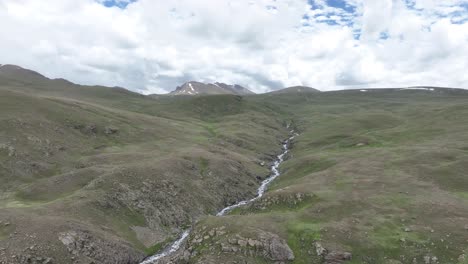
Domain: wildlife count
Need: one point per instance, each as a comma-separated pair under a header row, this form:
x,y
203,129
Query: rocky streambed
x,y
274,173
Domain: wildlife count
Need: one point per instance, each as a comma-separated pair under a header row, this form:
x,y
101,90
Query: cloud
x,y
154,45
376,18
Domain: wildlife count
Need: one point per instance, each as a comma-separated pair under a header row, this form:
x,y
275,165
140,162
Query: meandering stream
x,y
260,192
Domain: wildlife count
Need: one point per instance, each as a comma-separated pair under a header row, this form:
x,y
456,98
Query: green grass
x,y
463,195
280,203
204,163
4,231
297,169
301,237
158,247
388,236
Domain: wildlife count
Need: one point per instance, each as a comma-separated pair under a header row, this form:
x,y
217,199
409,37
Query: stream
x,y
274,173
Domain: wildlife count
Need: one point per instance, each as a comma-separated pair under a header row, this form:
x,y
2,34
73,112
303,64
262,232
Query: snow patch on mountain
x,y
417,88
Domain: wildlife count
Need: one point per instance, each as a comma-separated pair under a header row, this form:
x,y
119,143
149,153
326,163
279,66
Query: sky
x,y
152,46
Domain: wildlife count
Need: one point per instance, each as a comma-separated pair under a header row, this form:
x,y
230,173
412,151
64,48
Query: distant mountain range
x,y
14,74
198,88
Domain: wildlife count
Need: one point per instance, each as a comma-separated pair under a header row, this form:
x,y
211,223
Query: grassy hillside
x,y
380,175
104,175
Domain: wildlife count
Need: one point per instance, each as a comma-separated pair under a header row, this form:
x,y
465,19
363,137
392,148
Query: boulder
x,y
109,130
320,250
337,257
279,250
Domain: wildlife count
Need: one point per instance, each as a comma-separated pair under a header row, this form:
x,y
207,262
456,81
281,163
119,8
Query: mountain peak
x,y
18,73
198,88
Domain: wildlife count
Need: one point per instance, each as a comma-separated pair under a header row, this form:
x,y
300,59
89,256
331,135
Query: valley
x,y
94,174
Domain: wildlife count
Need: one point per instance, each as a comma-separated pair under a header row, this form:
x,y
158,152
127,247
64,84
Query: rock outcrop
x,y
211,243
331,257
83,244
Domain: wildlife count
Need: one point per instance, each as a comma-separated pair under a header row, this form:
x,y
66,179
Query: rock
x,y
211,233
337,257
186,255
68,238
242,243
109,130
6,224
462,258
91,129
431,260
82,244
279,250
320,250
11,151
251,242
263,245
407,229
77,126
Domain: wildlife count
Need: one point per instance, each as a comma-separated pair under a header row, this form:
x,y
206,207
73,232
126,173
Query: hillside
x,y
197,88
103,175
373,177
98,174
295,89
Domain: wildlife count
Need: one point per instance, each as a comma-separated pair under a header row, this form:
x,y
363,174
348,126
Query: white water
x,y
168,251
260,192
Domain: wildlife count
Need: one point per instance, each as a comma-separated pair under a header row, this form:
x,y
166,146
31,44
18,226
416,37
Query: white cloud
x,y
376,18
155,45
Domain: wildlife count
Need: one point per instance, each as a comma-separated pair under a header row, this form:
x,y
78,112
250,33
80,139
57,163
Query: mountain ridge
x,y
295,89
199,88
15,73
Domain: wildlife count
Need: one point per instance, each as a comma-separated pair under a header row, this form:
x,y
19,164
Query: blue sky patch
x,y
117,3
341,4
334,12
384,35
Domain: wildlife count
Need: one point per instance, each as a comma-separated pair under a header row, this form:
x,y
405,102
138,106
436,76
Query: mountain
x,y
197,88
235,88
295,89
92,174
13,72
25,80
